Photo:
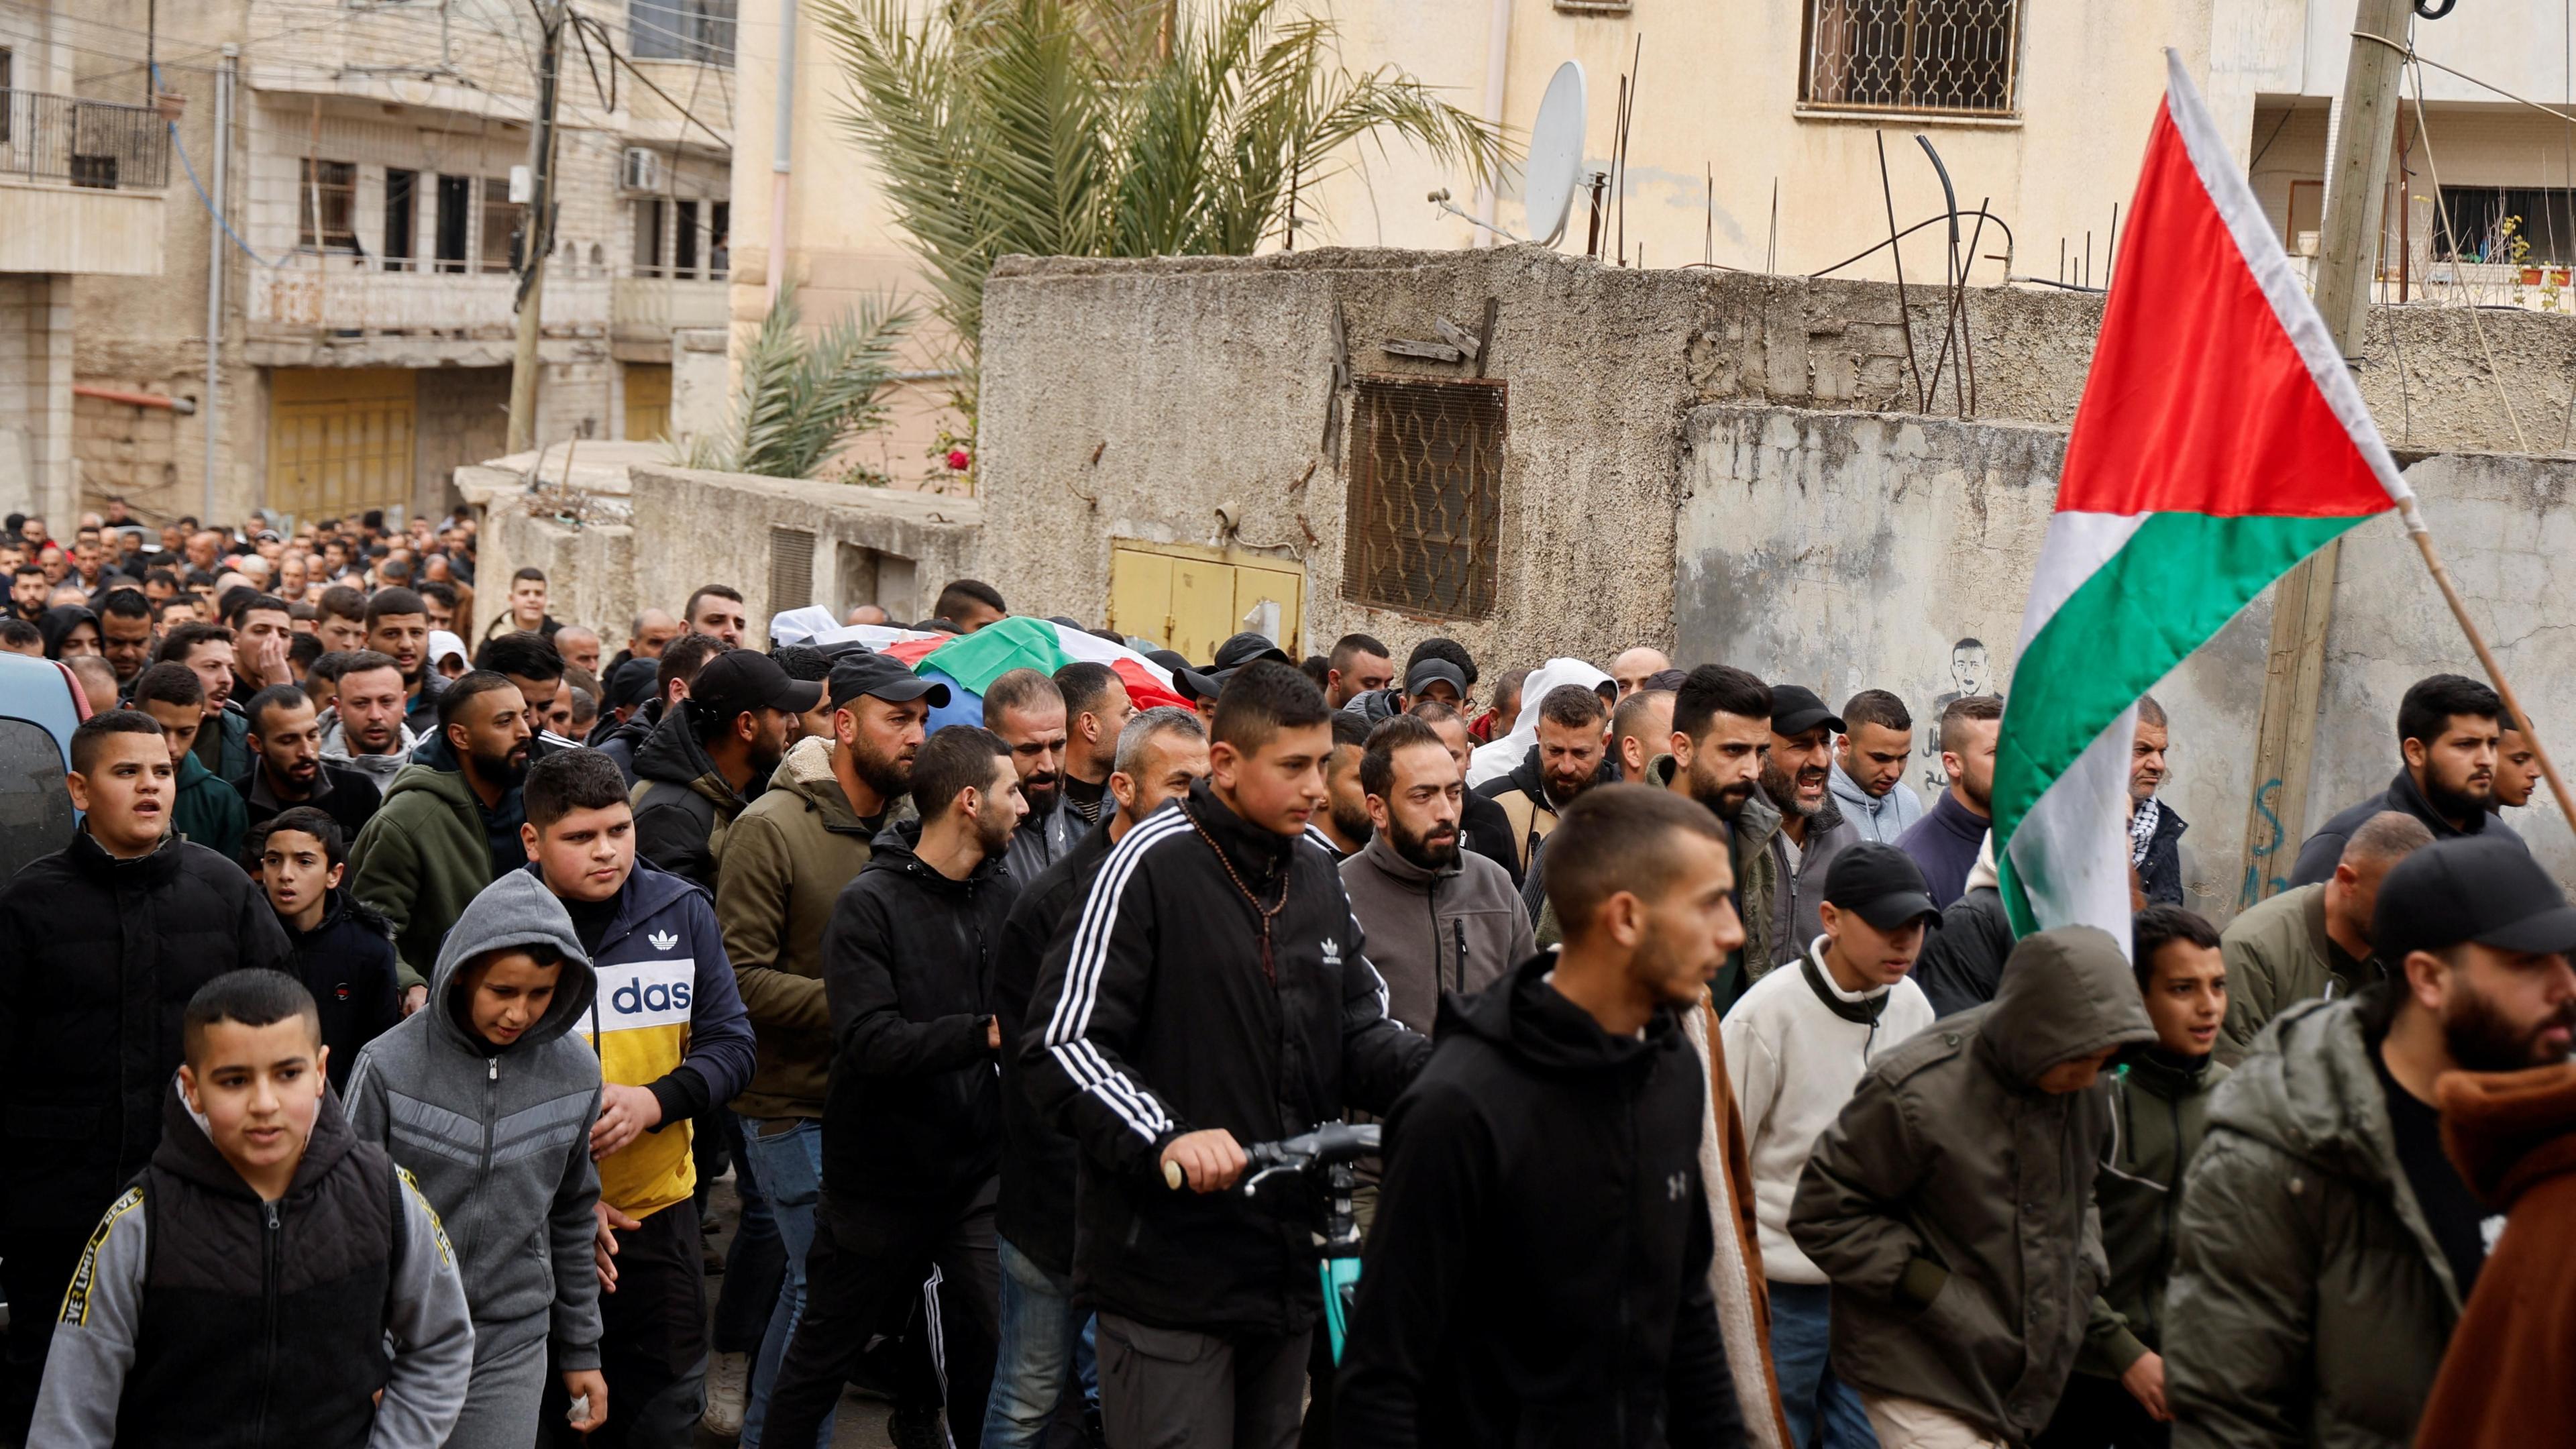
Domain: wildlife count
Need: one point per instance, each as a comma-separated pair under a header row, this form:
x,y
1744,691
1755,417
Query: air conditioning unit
x,y
641,170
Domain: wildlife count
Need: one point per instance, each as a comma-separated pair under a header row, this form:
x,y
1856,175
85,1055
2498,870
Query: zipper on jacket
x,y
274,1228
483,1168
2173,1190
1458,929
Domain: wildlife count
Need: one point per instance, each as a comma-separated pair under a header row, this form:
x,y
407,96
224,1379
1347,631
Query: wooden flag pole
x,y
2486,657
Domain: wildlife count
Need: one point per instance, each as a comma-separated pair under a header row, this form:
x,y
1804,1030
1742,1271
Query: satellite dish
x,y
1555,166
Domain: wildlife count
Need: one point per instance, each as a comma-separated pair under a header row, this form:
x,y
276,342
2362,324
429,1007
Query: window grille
x,y
1956,57
1426,475
791,568
333,187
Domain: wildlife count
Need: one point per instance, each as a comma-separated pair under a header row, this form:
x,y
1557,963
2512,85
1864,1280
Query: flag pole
x,y
2486,657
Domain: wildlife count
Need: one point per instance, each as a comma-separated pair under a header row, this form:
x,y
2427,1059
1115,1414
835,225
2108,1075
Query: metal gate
x,y
340,439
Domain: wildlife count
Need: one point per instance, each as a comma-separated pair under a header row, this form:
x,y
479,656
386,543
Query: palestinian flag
x,y
969,663
2219,441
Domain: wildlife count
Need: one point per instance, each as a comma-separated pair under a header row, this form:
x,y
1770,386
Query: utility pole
x,y
2303,602
537,235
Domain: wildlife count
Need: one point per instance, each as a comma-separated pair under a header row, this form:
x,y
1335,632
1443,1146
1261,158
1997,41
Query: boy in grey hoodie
x,y
487,1097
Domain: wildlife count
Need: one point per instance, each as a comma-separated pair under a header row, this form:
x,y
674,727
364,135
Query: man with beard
x,y
449,825
1946,840
288,768
1438,919
913,1126
2448,728
1096,710
2155,827
1345,821
398,625
1483,826
364,727
125,634
1565,762
710,754
531,663
1721,736
1026,709
2326,1242
1812,829
223,740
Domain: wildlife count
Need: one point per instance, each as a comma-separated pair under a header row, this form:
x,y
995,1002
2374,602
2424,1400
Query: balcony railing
x,y
97,144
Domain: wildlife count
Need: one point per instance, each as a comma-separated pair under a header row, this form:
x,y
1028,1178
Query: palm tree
x,y
801,397
1110,128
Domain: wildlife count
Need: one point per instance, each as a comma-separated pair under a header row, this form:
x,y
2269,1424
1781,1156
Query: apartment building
x,y
373,196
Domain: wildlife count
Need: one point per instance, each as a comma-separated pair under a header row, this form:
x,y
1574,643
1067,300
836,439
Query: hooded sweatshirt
x,y
499,1137
683,804
1535,1139
1951,1204
1877,817
380,769
208,811
422,860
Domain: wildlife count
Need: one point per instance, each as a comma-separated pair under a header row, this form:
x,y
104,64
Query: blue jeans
x,y
1824,1412
755,1264
1041,1329
790,1168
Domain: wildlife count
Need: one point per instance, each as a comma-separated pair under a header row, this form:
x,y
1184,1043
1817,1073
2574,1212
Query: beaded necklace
x,y
1264,914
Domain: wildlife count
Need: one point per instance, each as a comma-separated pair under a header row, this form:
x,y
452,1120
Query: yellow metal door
x,y
339,439
648,401
1140,594
1189,598
1269,601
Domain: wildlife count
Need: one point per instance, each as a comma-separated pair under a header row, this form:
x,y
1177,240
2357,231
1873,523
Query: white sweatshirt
x,y
1795,1062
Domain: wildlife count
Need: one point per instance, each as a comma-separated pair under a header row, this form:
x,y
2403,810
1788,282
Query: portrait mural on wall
x,y
1972,673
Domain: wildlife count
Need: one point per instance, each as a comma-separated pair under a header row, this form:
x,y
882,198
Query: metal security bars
x,y
87,143
1425,495
791,568
1953,57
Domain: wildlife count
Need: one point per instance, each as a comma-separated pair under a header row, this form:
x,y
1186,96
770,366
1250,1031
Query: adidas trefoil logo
x,y
663,940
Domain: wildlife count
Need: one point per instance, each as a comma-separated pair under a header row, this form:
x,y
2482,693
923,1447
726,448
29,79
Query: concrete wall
x,y
36,397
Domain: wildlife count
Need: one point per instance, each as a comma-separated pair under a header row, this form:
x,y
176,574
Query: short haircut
x,y
1351,646
1019,689
311,821
962,592
1573,706
1377,762
954,759
1434,711
164,577
682,658
88,739
1449,649
529,574
228,604
342,602
2390,835
1956,715
359,661
570,780
2159,926
1263,698
258,996
1620,840
464,690
328,667
2150,712
1715,689
2432,702
169,683
522,655
276,696
1084,685
689,611
302,650
19,634
801,662
1147,726
1876,707
391,601
180,642
444,592
256,603
125,604
1350,730
1629,719
585,707
1317,668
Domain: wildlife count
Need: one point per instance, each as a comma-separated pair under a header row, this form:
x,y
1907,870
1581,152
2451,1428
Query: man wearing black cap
x,y
1812,832
709,755
1201,686
2326,1243
1435,679
1796,1046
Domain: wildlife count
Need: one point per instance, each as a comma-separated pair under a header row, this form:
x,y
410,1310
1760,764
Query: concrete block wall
x,y
36,470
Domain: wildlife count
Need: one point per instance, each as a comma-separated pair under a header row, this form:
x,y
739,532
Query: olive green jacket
x,y
2159,1112
2278,953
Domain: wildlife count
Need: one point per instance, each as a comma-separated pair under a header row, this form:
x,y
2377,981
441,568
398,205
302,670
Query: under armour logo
x,y
1675,1186
663,940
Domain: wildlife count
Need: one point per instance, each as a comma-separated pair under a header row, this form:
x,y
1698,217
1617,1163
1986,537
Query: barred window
x,y
1959,57
1426,475
331,186
698,30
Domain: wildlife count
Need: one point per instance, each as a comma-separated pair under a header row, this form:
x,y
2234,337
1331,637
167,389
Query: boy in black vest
x,y
242,1291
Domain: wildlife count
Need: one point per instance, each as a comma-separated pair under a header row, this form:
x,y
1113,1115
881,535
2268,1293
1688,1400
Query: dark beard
x,y
993,831
887,776
1419,852
2453,805
1783,791
1041,791
2481,1040
1353,824
506,771
1726,802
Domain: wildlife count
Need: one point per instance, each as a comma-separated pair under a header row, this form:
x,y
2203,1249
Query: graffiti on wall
x,y
1971,673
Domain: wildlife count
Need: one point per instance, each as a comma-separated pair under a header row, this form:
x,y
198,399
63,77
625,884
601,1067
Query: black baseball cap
x,y
631,683
746,679
1879,883
881,677
1429,670
1195,685
1244,648
1795,709
2478,888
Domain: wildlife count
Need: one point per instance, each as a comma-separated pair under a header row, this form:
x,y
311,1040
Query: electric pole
x,y
537,234
2303,603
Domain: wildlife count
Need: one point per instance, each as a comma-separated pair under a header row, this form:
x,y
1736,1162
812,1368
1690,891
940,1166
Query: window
x,y
331,188
1426,496
400,188
501,220
1957,57
35,804
684,240
719,239
648,238
699,30
791,568
7,106
455,221
2525,225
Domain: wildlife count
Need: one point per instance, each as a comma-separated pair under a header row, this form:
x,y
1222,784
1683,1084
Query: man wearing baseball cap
x,y
1796,1045
2327,1243
709,756
1435,679
1796,777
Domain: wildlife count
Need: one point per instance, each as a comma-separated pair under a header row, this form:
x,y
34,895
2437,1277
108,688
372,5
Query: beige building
x,y
366,151
84,169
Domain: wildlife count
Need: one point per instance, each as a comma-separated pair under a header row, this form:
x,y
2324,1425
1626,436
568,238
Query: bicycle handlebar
x,y
1331,1143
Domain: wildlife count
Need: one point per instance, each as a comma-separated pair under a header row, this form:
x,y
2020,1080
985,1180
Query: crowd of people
x,y
373,1045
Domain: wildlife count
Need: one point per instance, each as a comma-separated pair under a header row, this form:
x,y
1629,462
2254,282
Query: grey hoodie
x,y
379,769
499,1139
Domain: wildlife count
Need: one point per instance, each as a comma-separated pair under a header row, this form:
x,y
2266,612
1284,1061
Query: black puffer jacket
x,y
1169,1015
914,1110
98,958
347,962
1039,1161
620,742
1539,1274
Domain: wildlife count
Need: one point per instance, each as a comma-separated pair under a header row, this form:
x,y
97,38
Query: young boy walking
x,y
487,1097
243,1291
340,948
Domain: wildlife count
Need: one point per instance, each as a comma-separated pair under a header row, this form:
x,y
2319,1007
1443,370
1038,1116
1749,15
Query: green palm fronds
x,y
801,397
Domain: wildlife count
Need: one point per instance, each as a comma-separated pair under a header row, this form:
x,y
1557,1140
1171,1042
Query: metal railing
x,y
87,143
1955,57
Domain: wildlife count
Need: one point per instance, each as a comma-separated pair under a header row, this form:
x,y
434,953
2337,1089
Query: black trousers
x,y
2096,1413
868,1268
652,1341
35,1267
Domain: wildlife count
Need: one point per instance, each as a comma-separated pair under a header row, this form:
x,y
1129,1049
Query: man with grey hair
x,y
1160,752
2155,827
2312,940
1027,710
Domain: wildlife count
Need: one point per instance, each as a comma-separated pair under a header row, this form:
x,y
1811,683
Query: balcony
x,y
83,185
649,309
336,296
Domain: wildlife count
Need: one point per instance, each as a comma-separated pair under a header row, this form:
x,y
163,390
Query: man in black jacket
x,y
1216,992
287,769
2448,730
1161,754
912,1130
710,754
101,945
1539,1269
